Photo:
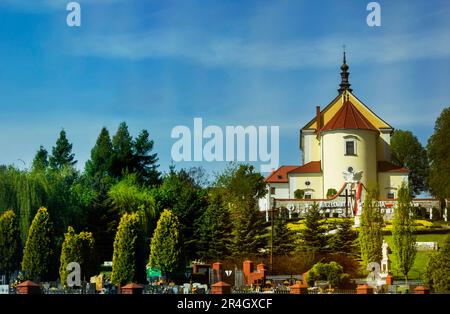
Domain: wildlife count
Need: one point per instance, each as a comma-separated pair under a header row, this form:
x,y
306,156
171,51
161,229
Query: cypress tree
x,y
9,243
166,244
128,261
370,230
62,153
404,240
38,254
77,248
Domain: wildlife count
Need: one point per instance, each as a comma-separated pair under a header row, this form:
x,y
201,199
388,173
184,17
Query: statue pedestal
x,y
357,221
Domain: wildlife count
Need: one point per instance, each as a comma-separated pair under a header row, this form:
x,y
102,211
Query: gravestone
x,y
186,288
4,289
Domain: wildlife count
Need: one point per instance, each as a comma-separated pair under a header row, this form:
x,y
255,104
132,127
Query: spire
x,y
345,85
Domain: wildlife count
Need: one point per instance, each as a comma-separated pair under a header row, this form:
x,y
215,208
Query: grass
x,y
420,263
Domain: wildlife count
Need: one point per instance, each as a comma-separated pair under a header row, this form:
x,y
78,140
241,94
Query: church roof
x,y
312,166
281,175
348,117
386,166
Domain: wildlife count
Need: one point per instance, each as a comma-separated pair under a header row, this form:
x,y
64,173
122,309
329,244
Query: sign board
x,y
153,272
4,289
427,246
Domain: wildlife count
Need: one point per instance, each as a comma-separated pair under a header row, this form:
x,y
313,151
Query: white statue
x,y
385,262
352,176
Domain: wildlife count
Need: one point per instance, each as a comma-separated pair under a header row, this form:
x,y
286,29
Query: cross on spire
x,y
345,85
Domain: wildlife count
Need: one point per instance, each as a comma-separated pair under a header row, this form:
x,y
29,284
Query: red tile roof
x,y
281,175
313,166
348,117
386,166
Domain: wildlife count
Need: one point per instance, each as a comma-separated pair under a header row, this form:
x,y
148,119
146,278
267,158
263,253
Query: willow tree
x,y
404,240
9,243
23,192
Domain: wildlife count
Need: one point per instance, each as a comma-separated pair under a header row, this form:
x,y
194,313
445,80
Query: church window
x,y
272,190
350,147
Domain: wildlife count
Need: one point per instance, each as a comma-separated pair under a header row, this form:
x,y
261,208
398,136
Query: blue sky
x,y
159,64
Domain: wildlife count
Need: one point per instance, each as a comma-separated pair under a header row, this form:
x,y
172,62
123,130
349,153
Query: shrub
x,y
331,192
299,194
331,272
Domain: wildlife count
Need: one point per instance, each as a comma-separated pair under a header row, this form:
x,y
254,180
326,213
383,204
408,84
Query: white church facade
x,y
345,148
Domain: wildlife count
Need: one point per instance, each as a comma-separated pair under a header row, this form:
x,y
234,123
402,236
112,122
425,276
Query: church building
x,y
345,146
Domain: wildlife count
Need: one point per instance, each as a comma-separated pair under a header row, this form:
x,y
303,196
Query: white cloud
x,y
46,5
213,51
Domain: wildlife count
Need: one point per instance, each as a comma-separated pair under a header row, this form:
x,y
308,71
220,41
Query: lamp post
x,y
272,210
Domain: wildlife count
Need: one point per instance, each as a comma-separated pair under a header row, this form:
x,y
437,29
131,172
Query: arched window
x,y
350,145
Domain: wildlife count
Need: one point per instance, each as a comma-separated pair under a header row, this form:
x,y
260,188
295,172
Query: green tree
x,y
344,240
99,165
370,230
9,243
128,196
243,187
404,240
180,193
62,155
77,248
23,192
331,272
437,274
166,244
283,237
128,260
214,229
122,158
313,235
408,152
38,255
134,156
40,161
438,148
145,163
